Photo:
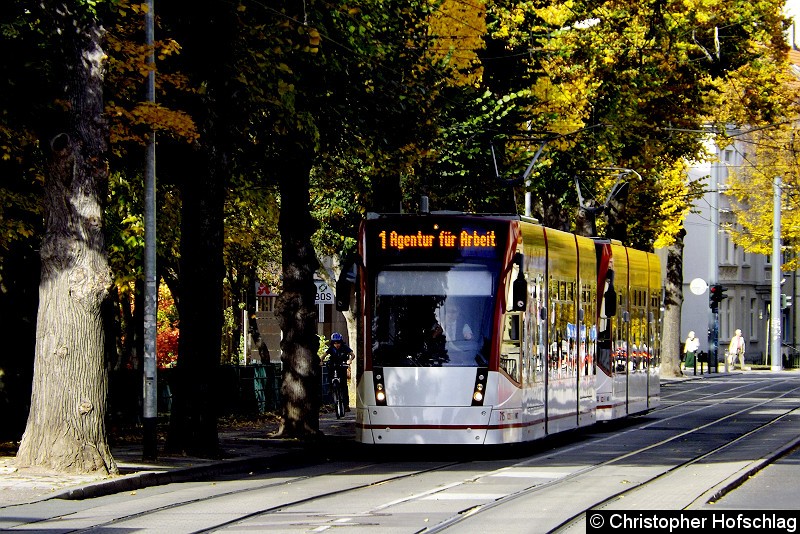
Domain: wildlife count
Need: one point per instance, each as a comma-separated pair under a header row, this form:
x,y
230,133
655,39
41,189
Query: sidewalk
x,y
244,448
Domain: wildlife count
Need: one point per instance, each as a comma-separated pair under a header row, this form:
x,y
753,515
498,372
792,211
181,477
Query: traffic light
x,y
716,293
786,301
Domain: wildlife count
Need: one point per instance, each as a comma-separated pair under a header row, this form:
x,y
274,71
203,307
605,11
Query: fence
x,y
242,390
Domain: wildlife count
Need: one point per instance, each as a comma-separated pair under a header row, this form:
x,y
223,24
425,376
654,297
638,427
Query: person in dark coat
x,y
340,355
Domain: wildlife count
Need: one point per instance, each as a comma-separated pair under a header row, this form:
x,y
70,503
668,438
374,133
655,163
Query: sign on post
x,y
262,289
324,293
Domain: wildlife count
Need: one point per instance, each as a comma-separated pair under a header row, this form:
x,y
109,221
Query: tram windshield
x,y
426,318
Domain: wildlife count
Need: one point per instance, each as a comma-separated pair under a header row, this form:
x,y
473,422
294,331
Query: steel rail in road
x,y
655,499
704,425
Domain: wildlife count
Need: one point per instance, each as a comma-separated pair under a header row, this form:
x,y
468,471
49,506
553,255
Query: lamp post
x,y
150,386
713,271
775,304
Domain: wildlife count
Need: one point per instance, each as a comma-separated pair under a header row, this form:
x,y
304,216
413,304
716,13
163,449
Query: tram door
x,y
638,375
535,331
620,332
586,331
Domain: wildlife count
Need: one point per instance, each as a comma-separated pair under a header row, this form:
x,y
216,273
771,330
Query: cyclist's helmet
x,y
336,336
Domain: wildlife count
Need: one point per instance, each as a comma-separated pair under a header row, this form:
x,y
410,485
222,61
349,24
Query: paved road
x,y
709,433
776,487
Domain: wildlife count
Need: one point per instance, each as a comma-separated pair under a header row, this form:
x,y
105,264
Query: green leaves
x,y
629,74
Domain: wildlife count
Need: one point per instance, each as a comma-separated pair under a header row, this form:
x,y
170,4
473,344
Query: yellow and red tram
x,y
490,329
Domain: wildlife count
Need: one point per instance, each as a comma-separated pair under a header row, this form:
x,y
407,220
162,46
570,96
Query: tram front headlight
x,y
380,395
479,391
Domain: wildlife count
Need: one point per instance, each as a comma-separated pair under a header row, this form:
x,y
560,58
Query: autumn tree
x,y
366,115
131,119
629,86
774,152
760,109
382,162
66,425
201,171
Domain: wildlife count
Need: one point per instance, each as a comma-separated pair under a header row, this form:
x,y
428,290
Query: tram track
x,y
579,517
277,486
666,403
635,427
633,459
471,512
632,487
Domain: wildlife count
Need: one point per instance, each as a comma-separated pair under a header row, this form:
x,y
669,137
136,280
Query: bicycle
x,y
338,381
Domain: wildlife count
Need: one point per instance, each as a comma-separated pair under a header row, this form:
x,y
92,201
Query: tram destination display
x,y
418,240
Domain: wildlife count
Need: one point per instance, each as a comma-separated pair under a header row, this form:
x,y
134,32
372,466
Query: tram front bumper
x,y
423,425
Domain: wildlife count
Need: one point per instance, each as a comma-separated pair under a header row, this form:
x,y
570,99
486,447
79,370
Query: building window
x,y
726,248
787,328
753,320
727,156
724,319
729,317
739,317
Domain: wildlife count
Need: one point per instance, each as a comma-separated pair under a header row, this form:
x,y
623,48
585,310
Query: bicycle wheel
x,y
338,403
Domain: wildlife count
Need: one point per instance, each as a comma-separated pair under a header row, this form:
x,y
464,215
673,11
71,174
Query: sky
x,y
793,7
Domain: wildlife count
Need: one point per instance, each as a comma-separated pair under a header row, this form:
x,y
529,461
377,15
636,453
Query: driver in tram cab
x,y
456,327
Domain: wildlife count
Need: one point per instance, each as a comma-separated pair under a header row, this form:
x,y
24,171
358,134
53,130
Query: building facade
x,y
711,256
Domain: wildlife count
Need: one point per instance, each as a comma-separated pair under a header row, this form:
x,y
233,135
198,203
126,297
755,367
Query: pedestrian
x,y
690,349
340,355
736,348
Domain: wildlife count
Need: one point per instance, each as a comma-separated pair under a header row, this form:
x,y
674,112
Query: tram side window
x,y
510,347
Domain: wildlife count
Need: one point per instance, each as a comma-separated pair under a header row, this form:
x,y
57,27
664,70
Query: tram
x,y
493,329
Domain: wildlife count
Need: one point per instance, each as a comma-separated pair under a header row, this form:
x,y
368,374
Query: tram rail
x,y
678,456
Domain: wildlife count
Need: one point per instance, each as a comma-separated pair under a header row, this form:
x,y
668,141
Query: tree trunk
x,y
673,301
296,311
66,428
193,421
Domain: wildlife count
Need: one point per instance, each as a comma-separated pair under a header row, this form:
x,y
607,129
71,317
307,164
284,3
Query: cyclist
x,y
339,354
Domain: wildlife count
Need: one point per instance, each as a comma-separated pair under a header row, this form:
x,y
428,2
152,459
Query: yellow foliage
x,y
128,68
676,203
314,38
751,191
457,28
556,15
133,124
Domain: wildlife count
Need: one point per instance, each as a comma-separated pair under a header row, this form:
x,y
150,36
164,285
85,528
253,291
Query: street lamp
x,y
775,313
